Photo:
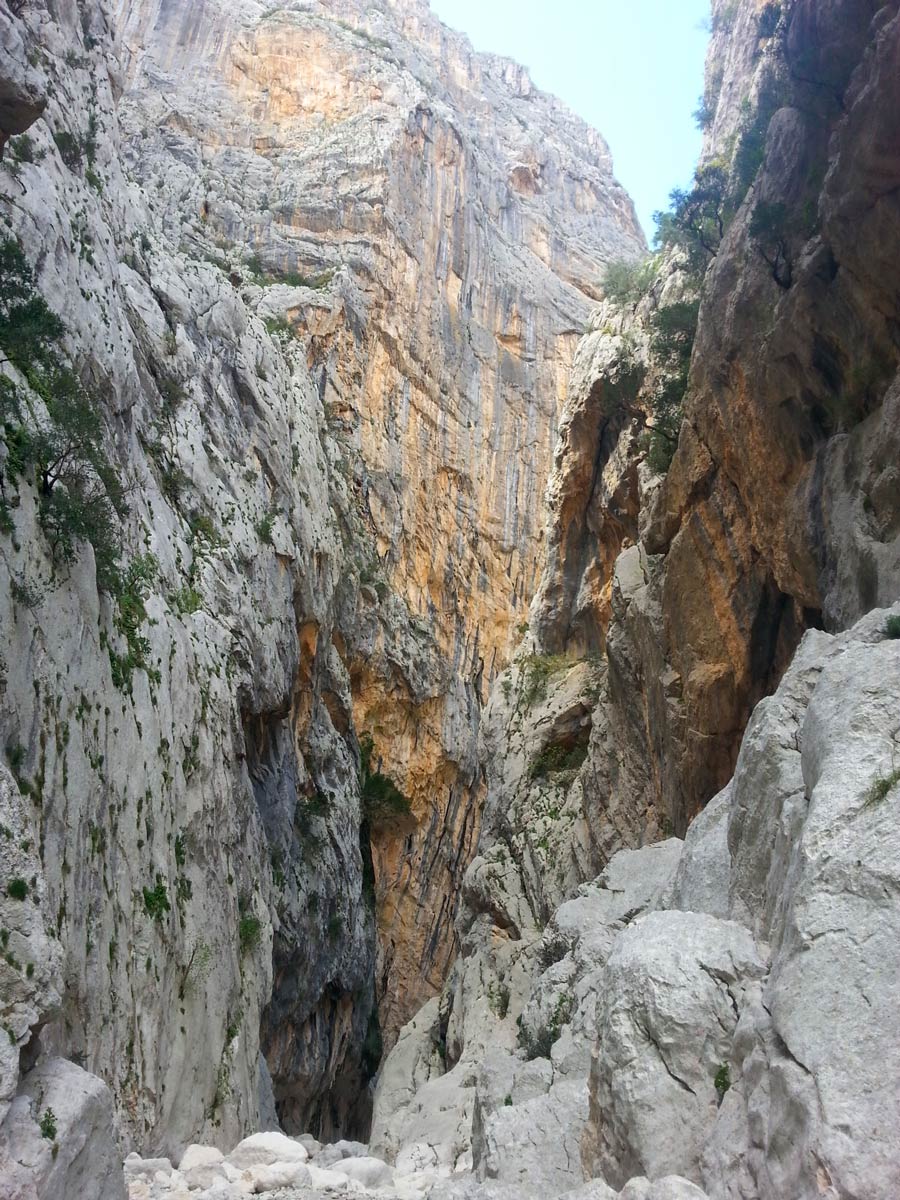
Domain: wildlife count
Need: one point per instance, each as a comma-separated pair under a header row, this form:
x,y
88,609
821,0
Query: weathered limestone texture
x,y
723,1000
321,271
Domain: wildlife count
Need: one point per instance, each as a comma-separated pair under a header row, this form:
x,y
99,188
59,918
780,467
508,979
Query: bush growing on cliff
x,y
382,801
249,933
558,758
698,217
537,671
626,282
156,900
80,495
767,22
881,789
672,342
892,627
28,326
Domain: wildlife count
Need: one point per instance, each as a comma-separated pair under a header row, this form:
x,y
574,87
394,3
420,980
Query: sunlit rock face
x,y
676,643
455,221
322,272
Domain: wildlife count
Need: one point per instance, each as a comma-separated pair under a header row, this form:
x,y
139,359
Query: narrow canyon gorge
x,y
449,650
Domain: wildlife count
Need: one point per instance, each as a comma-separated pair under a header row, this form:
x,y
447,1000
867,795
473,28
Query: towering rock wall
x,y
320,272
454,221
671,603
779,509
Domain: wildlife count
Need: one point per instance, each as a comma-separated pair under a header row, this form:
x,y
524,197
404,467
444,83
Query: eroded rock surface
x,y
304,301
722,999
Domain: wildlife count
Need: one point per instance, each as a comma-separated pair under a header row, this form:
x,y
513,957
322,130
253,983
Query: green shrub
x,y
722,1081
537,670
672,342
186,600
881,789
28,327
704,114
382,802
48,1124
767,22
203,530
249,933
698,217
15,756
540,1044
25,594
23,150
277,326
80,496
156,900
70,147
130,589
264,528
558,758
892,627
626,282
17,889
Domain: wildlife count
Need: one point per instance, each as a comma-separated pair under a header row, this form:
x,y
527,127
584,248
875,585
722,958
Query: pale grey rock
x,y
336,1151
202,1167
22,88
30,977
202,1156
703,880
668,1004
264,1149
135,1165
535,1144
369,1171
768,799
594,1189
560,1017
271,1177
74,1152
803,1118
671,1187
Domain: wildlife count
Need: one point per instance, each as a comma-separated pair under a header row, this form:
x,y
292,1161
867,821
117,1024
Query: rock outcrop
x,y
722,1001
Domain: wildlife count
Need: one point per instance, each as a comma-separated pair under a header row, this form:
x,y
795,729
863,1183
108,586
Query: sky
x,y
631,68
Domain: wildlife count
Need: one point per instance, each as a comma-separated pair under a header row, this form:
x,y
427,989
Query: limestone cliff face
x,y
779,510
321,272
455,221
671,603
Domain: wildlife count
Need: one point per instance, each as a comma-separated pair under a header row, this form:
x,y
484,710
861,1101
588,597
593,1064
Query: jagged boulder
x,y
57,1138
668,1005
816,1096
422,1115
703,878
534,1145
22,88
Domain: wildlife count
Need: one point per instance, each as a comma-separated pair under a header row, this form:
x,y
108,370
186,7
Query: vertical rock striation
x,y
453,222
726,1042
315,278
